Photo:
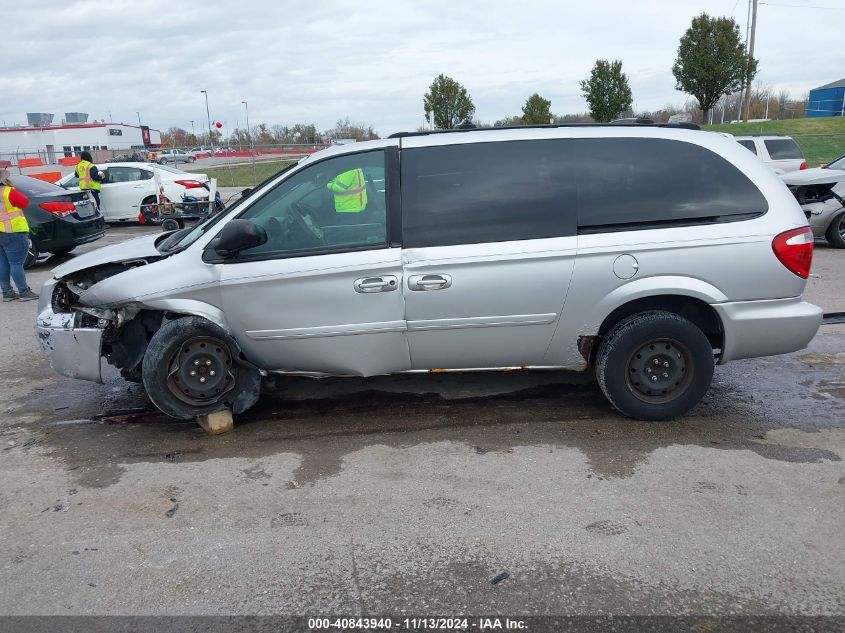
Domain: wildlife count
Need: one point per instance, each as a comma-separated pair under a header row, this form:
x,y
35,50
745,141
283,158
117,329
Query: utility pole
x,y
194,134
750,59
208,118
248,133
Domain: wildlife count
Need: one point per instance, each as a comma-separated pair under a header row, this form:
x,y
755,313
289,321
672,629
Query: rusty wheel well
x,y
692,309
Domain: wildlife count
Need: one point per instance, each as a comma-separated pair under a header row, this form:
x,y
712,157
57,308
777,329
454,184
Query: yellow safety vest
x,y
350,193
83,172
12,219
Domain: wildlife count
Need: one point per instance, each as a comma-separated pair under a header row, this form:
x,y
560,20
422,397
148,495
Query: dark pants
x,y
96,195
13,249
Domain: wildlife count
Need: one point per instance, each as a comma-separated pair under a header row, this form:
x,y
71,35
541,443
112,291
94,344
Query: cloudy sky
x,y
372,61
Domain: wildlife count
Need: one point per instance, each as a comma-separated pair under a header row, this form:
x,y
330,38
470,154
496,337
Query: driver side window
x,y
334,204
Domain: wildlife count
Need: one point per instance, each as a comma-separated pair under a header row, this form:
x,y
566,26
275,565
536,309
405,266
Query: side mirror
x,y
239,235
246,192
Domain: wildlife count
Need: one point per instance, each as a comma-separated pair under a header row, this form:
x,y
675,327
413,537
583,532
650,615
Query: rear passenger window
x,y
783,148
749,145
487,192
626,182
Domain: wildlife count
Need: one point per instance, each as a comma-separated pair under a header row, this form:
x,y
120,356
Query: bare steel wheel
x,y
654,365
659,370
201,371
193,367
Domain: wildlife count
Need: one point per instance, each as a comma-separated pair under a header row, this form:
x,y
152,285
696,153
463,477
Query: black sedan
x,y
59,220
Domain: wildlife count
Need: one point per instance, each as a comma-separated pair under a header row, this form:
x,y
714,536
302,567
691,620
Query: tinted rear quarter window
x,y
783,148
624,182
487,192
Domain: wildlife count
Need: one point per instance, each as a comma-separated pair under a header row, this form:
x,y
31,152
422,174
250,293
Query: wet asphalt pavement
x,y
408,494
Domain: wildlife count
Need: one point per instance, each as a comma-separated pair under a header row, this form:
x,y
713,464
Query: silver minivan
x,y
646,253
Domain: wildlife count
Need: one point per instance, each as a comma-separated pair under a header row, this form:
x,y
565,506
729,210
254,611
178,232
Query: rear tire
x,y
835,233
170,224
654,365
193,367
32,254
162,161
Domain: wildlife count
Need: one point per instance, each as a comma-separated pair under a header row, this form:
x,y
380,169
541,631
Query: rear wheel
x,y
835,233
162,161
170,224
192,367
654,365
32,254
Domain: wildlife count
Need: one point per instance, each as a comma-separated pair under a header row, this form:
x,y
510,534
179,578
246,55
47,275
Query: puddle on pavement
x,y
95,429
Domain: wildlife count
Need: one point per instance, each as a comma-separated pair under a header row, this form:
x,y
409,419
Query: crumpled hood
x,y
138,248
815,176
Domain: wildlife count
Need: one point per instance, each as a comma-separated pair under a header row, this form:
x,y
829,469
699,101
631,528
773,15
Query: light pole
x,y
139,118
208,118
193,133
248,133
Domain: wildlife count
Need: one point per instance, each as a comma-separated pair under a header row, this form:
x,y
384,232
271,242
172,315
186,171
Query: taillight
x,y
803,166
61,209
189,184
794,249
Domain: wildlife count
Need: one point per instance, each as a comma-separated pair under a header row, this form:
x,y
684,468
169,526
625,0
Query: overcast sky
x,y
372,61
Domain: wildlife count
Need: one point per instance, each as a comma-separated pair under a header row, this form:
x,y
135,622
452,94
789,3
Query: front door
x,y
122,194
489,235
324,294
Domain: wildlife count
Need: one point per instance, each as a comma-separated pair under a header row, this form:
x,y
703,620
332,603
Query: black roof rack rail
x,y
675,126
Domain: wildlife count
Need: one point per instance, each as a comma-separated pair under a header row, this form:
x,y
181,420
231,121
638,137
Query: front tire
x,y
654,365
192,367
835,233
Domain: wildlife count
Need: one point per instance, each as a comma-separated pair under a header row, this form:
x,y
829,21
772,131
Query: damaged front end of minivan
x,y
125,309
76,334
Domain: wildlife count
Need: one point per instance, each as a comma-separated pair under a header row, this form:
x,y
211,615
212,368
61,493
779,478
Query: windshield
x,y
184,238
839,163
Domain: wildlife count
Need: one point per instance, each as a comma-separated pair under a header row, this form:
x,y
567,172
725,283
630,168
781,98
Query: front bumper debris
x,y
73,351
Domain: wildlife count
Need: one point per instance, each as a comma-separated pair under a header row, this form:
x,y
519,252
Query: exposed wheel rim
x,y
841,227
202,371
659,371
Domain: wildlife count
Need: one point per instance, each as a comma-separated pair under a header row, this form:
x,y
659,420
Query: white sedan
x,y
131,185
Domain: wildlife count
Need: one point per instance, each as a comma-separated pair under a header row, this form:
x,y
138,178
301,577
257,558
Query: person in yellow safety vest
x,y
350,192
14,240
89,176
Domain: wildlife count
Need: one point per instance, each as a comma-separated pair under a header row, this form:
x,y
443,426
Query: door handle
x,y
429,282
369,285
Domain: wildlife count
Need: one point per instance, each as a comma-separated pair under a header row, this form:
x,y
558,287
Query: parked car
x,y
781,153
130,185
821,194
617,248
59,220
165,156
133,157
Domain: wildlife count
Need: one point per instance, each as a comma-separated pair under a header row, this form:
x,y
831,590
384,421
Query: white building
x,y
56,141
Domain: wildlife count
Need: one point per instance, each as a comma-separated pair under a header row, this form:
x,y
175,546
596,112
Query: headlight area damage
x,y
76,336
